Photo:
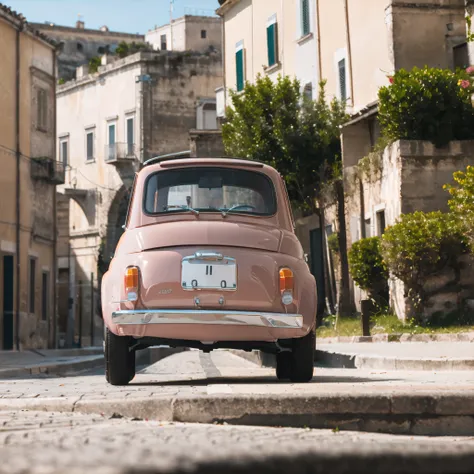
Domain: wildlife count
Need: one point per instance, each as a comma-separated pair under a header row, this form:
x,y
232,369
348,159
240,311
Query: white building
x,y
188,33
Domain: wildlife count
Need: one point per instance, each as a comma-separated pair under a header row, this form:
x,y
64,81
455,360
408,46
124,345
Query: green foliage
x,y
61,81
94,64
273,122
427,104
366,264
126,49
333,243
419,245
462,202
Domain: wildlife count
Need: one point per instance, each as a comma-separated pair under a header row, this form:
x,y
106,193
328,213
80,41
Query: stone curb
x,y
144,357
459,337
359,361
55,368
448,414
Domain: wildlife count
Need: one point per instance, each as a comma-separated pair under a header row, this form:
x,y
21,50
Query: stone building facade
x,y
109,123
188,33
28,180
78,45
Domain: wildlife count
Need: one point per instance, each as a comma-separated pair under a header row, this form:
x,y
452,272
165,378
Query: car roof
x,y
152,165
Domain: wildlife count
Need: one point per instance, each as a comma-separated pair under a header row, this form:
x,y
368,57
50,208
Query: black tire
x,y
119,359
302,358
283,365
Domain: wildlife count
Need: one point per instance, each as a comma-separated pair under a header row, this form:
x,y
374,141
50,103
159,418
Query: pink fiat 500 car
x,y
209,260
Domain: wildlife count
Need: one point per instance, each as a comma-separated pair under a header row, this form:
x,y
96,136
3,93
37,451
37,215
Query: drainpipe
x,y
55,223
318,39
17,178
349,49
224,70
282,59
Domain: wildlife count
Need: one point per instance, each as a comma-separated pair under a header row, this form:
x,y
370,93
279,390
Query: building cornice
x,y
226,7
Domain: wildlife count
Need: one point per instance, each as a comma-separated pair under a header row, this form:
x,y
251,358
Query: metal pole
x,y
80,312
92,310
17,191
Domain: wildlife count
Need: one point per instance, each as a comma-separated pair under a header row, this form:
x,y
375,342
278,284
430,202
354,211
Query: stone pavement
x,y
435,356
205,388
57,443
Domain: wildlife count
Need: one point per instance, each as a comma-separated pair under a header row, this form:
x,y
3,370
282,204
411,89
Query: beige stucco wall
x,y
37,197
247,21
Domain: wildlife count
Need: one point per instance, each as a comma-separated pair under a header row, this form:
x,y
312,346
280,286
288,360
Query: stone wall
x,y
179,80
206,144
407,177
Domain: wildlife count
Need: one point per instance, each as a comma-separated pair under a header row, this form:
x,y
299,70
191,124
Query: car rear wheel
x,y
283,365
119,359
302,358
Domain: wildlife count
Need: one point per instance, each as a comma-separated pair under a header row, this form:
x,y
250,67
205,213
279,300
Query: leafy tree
x,y
126,49
273,122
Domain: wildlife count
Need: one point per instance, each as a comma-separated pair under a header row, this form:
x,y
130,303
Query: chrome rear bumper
x,y
203,317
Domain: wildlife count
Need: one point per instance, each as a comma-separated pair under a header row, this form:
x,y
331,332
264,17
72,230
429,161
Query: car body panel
x,y
261,246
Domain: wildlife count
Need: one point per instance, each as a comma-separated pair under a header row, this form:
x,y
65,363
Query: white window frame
x,y
300,31
132,117
339,55
62,141
90,131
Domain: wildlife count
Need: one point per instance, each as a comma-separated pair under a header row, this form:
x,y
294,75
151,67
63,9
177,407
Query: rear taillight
x,y
131,282
286,286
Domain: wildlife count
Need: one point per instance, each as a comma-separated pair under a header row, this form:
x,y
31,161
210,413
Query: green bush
x,y
462,202
94,64
419,245
367,266
427,104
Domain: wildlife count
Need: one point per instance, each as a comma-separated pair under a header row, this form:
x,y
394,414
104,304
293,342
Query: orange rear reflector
x,y
286,279
131,279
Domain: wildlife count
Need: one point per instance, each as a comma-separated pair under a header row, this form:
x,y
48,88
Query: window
x,y
305,18
42,110
308,91
460,56
272,41
130,136
111,145
341,65
90,145
239,65
380,217
210,190
31,289
203,34
101,50
64,151
367,227
80,47
163,42
45,297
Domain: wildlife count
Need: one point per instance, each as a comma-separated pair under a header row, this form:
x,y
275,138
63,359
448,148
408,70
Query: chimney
x,y
104,28
82,71
80,25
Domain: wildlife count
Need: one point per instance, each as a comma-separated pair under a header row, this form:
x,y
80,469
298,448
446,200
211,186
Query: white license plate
x,y
208,274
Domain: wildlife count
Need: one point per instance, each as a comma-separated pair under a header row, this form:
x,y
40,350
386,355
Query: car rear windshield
x,y
209,189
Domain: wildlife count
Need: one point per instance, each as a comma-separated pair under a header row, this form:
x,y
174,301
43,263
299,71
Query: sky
x,y
128,16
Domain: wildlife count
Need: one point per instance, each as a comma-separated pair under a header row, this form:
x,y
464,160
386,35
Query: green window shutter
x,y
239,63
305,22
272,45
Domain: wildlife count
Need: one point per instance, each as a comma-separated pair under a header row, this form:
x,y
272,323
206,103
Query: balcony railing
x,y
47,169
119,152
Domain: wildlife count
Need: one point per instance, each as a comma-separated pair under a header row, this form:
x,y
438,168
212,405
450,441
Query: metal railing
x,y
119,151
48,169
